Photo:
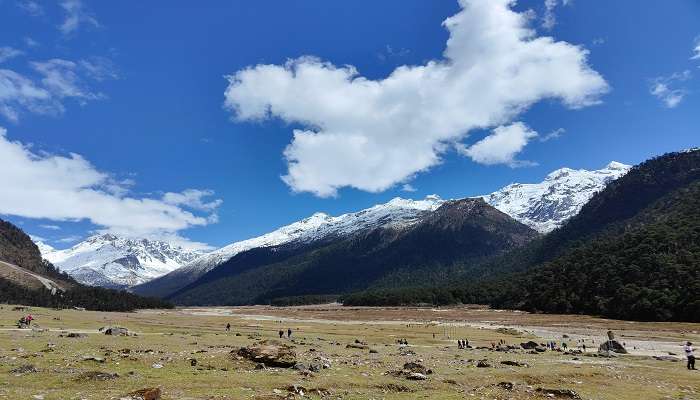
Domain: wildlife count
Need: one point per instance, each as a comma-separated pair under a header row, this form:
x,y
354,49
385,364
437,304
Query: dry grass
x,y
173,338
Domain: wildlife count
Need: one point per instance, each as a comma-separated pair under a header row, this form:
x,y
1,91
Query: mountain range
x,y
158,268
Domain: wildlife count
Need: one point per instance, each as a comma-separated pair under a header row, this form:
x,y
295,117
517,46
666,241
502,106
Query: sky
x,y
209,125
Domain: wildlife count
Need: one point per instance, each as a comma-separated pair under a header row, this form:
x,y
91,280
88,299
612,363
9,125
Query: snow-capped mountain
x,y
111,261
546,205
321,226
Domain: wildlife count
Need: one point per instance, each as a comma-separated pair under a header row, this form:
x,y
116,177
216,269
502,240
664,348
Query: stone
x,y
146,394
514,363
506,385
483,364
416,376
24,369
272,353
559,393
612,346
530,345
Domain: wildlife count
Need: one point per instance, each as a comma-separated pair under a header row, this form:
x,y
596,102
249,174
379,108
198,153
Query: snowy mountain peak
x,y
547,205
113,261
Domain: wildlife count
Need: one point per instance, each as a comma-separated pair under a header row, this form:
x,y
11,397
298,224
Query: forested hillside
x,y
449,242
633,252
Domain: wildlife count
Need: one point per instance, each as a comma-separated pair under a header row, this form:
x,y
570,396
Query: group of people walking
x,y
289,333
462,343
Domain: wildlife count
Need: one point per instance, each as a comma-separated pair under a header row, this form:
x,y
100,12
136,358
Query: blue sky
x,y
136,89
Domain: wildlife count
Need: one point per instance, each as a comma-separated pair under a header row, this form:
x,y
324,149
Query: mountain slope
x,y
116,262
318,228
27,279
452,237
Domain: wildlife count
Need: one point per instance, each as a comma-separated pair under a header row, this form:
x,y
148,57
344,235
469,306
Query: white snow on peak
x,y
397,212
113,261
547,205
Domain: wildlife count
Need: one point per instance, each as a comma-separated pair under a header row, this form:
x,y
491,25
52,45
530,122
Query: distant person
x,y
459,344
281,332
466,343
289,333
689,354
29,319
228,327
584,347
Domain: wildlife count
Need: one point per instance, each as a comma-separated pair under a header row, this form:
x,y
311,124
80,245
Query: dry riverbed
x,y
342,353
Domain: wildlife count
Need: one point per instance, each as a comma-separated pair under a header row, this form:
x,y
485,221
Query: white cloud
x,y
373,134
31,7
7,53
56,80
29,42
668,90
555,134
193,198
50,227
549,19
76,15
69,239
407,187
501,147
69,188
696,50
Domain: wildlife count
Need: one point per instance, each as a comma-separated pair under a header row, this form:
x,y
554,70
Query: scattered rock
x,y
272,353
509,331
559,393
95,359
483,364
24,369
416,367
393,387
76,335
357,346
667,358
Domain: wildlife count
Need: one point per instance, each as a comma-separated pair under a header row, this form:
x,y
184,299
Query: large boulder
x,y
612,346
272,353
529,345
115,331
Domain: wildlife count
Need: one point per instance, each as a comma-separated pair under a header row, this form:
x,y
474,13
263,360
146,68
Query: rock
x,y
24,369
483,364
514,363
115,331
667,358
145,394
97,376
76,335
157,366
416,376
272,353
373,351
612,345
529,345
95,359
509,331
506,385
193,362
357,346
559,393
416,367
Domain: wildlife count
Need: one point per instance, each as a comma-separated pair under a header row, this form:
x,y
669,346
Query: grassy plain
x,y
171,339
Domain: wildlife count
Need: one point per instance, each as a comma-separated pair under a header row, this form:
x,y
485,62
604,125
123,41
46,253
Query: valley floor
x,y
161,354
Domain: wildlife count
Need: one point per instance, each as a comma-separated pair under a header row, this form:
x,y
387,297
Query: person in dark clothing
x,y
281,332
289,333
228,327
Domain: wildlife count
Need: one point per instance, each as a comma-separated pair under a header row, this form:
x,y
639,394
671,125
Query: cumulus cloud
x,y
373,134
55,80
668,89
76,15
7,53
70,188
501,146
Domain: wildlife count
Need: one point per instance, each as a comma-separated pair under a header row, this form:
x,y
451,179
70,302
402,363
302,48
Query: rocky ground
x,y
337,353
